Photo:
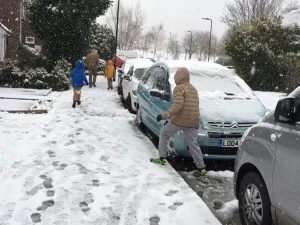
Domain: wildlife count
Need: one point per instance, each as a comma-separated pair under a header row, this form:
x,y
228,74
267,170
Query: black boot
x,y
74,104
78,102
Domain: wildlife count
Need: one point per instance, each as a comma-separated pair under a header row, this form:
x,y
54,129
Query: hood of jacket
x,y
79,64
182,76
109,62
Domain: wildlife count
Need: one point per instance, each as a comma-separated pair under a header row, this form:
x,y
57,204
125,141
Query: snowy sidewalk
x,y
88,165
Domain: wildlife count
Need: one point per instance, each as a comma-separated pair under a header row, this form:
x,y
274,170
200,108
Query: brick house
x,y
4,34
13,17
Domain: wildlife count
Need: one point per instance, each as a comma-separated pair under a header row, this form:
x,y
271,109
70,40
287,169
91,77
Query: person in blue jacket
x,y
78,80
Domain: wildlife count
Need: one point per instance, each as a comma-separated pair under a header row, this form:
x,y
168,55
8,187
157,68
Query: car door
x,y
144,97
152,106
287,172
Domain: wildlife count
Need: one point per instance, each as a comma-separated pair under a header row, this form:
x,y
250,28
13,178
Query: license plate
x,y
230,143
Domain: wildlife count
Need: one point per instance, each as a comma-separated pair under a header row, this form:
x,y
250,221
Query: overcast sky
x,y
179,16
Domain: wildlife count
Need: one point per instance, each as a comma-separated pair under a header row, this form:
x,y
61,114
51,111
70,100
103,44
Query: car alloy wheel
x,y
254,202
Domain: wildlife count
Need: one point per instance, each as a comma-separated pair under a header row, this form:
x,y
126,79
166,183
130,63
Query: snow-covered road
x,y
88,165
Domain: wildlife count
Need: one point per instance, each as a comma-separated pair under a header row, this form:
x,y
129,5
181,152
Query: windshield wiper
x,y
228,93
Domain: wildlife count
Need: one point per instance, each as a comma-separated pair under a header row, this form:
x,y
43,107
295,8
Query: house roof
x,y
5,28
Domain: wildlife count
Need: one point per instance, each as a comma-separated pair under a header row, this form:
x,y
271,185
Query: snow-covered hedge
x,y
30,58
12,76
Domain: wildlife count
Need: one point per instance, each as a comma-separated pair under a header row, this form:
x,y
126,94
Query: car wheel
x,y
254,201
138,119
129,104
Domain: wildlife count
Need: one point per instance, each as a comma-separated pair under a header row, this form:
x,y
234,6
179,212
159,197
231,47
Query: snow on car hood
x,y
229,109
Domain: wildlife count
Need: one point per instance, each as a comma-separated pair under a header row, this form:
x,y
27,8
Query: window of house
x,y
29,40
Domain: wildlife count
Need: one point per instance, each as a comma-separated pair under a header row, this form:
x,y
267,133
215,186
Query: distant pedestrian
x,y
185,116
78,80
92,61
109,73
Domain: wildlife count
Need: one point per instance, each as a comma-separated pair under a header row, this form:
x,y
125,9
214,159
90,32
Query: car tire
x,y
128,104
254,201
138,119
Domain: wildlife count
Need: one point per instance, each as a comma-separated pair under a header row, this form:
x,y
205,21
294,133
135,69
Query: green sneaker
x,y
200,172
158,161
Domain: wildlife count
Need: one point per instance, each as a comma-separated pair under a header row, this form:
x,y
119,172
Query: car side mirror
x,y
126,77
285,111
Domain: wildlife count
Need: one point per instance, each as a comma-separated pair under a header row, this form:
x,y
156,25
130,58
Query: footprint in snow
x,y
62,166
84,206
45,205
34,190
36,217
50,193
51,154
154,220
96,183
48,183
70,142
104,158
175,205
55,163
80,152
82,169
171,192
88,198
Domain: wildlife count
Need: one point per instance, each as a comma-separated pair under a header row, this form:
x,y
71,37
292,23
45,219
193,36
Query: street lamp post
x,y
209,35
117,30
190,52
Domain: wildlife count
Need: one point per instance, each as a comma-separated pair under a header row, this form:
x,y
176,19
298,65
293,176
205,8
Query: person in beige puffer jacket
x,y
185,116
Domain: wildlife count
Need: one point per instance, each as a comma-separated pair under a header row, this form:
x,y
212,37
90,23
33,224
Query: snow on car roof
x,y
220,75
195,65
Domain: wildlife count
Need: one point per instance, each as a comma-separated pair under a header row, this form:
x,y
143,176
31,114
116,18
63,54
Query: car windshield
x,y
139,73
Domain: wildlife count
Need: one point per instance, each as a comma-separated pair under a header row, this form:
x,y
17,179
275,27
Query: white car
x,y
131,80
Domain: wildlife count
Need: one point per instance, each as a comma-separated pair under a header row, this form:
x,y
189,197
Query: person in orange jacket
x,y
109,73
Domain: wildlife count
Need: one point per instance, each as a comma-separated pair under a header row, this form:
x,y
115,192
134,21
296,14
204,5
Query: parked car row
x,y
227,106
234,124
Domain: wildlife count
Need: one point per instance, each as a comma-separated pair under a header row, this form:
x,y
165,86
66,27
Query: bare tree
x,y
201,42
189,43
145,42
173,46
247,11
131,22
156,35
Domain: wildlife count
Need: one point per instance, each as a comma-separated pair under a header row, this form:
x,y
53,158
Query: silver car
x,y
267,170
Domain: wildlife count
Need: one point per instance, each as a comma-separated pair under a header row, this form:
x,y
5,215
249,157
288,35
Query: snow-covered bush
x,y
12,76
265,54
30,58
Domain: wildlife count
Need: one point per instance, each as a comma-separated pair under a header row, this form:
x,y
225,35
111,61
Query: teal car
x,y
228,107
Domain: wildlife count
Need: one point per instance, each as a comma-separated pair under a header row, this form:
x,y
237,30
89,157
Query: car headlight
x,y
134,92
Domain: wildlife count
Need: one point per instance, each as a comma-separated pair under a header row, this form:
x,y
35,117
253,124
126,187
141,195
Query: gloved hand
x,y
159,118
114,79
87,84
